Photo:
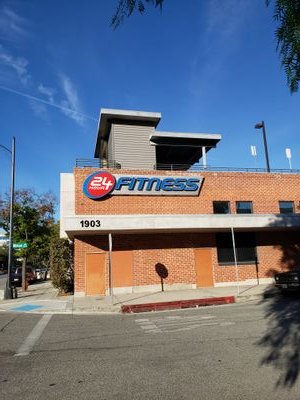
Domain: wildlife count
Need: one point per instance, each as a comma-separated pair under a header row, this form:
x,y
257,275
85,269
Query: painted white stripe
x,y
141,321
28,344
179,319
152,326
182,322
190,327
227,323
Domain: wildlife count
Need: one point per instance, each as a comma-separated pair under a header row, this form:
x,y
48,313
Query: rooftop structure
x,y
130,140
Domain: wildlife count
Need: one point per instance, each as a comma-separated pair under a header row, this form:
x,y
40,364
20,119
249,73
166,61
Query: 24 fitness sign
x,y
102,183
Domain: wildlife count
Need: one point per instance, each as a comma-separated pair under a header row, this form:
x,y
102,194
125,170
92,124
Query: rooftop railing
x,y
112,164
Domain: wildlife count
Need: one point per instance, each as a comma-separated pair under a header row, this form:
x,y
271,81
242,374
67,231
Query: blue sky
x,y
206,65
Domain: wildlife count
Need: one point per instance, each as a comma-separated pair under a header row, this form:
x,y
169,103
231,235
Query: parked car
x,y
17,275
41,274
288,281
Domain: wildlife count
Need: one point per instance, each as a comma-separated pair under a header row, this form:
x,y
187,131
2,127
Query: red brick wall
x,y
265,190
176,252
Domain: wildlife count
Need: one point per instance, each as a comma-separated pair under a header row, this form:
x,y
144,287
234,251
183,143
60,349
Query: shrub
x,y
61,265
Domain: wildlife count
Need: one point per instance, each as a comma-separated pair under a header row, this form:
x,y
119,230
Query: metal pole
x,y
8,289
110,266
235,262
266,146
204,159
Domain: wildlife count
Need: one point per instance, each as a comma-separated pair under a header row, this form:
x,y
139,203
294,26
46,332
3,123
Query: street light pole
x,y
8,294
261,125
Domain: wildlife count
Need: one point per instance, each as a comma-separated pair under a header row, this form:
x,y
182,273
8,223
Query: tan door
x,y
95,273
122,262
203,265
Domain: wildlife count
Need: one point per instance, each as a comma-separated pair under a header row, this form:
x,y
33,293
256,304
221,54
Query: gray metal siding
x,y
110,146
131,146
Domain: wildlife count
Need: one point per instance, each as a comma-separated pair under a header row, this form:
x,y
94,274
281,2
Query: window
x,y
245,244
221,207
244,207
286,207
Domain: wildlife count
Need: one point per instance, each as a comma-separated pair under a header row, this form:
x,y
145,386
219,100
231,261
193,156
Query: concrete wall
x,y
67,199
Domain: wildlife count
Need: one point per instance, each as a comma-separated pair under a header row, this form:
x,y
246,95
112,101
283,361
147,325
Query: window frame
x,y
222,201
244,201
286,201
240,238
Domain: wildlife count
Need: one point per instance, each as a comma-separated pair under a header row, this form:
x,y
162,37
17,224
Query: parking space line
x,y
28,344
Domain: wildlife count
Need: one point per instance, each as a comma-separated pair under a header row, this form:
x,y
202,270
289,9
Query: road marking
x,y
26,307
28,344
179,323
227,323
182,322
188,328
142,321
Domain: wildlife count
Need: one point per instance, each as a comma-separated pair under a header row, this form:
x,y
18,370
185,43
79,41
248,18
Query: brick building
x,y
144,211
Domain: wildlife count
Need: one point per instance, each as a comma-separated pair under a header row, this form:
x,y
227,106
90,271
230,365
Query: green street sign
x,y
22,245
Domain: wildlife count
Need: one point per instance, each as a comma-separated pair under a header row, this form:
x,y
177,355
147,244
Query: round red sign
x,y
98,185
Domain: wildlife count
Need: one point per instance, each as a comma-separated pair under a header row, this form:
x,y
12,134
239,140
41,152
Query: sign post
x,y
235,262
110,267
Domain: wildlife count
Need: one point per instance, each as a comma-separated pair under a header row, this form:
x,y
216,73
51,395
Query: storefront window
x,y
245,244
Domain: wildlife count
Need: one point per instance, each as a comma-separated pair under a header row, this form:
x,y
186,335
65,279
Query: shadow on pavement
x,y
281,341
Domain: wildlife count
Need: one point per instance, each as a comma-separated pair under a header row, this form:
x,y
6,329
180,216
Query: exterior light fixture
x,y
261,125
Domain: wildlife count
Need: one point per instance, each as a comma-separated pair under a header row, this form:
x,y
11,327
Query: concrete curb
x,y
178,304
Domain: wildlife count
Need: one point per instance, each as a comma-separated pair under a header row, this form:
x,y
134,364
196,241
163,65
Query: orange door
x,y
95,273
203,265
122,262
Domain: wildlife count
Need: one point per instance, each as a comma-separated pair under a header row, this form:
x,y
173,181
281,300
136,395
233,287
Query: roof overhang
x,y
109,116
121,224
185,139
177,148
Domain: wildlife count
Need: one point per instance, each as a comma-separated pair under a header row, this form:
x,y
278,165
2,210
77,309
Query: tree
x,y
126,7
34,224
33,217
286,14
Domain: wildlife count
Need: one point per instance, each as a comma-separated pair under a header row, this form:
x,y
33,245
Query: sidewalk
x,y
43,298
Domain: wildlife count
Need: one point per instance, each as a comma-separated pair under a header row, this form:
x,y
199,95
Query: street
x,y
240,351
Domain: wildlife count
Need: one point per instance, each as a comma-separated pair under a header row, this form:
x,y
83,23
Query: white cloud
x,y
71,105
47,91
12,25
218,41
38,108
66,110
16,65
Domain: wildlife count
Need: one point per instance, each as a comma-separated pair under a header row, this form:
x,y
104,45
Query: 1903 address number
x,y
93,223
